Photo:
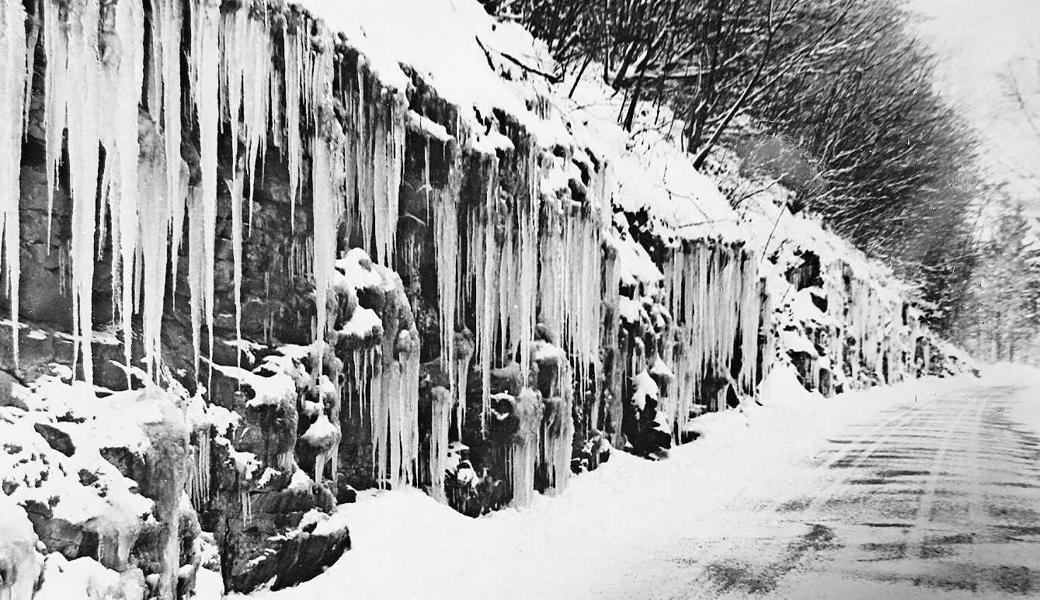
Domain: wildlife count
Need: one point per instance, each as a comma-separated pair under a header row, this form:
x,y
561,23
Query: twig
x,y
549,76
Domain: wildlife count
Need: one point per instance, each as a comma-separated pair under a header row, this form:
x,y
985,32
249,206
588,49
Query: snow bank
x,y
1027,379
571,546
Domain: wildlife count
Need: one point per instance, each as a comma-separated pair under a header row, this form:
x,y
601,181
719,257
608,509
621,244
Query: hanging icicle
x,y
72,51
204,60
463,344
523,451
440,426
528,213
17,84
122,75
294,51
154,229
394,410
198,481
446,249
388,167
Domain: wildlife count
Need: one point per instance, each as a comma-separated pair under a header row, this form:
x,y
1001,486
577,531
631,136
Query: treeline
x,y
1000,318
833,97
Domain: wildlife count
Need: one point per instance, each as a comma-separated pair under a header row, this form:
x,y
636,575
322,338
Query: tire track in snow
x,y
926,502
716,552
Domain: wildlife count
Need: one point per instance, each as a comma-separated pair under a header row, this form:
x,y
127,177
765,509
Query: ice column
x,y
17,81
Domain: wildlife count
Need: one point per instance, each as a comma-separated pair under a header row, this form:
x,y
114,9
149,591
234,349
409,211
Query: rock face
x,y
72,465
327,283
20,563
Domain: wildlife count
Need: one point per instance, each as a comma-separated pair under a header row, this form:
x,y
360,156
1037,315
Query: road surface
x,y
934,497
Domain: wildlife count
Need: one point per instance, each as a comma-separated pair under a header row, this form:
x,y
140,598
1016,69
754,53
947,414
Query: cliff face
x,y
295,264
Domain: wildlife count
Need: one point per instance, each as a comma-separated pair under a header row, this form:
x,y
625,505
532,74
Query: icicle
x,y
445,222
365,162
326,149
154,211
558,433
484,260
123,74
235,189
463,356
293,52
394,413
233,54
32,39
609,314
247,506
387,173
440,426
319,466
527,262
204,60
72,51
56,52
524,448
325,220
446,249
16,76
166,39
245,86
196,268
199,479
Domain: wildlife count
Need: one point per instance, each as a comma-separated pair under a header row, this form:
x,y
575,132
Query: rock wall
x,y
323,282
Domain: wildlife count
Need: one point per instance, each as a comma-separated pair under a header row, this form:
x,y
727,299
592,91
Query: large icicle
x,y
327,207
166,56
325,219
56,51
528,213
394,406
204,60
388,169
523,451
15,77
72,50
482,261
446,249
294,52
237,47
154,209
440,425
123,73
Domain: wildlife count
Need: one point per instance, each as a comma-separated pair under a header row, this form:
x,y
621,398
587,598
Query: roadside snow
x,y
1024,413
406,545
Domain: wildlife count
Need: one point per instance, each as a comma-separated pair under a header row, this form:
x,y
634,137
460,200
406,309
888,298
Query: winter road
x,y
932,498
927,489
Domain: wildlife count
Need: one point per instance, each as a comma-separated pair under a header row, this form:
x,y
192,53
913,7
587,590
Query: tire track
x,y
926,501
715,552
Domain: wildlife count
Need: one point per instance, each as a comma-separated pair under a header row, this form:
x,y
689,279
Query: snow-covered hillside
x,y
336,246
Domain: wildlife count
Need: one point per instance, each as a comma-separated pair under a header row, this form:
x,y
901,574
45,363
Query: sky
x,y
980,43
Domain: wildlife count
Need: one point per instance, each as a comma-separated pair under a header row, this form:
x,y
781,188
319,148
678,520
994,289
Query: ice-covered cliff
x,y
258,255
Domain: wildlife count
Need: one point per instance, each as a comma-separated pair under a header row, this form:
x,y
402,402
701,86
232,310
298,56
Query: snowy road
x,y
938,498
928,489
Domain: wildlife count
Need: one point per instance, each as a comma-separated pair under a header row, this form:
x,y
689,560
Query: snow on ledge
x,y
473,61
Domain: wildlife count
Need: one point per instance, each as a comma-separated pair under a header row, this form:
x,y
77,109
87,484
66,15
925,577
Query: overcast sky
x,y
980,42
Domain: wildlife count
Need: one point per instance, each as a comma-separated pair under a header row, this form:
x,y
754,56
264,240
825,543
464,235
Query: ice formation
x,y
440,425
523,451
203,63
533,246
714,299
14,97
530,230
446,249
